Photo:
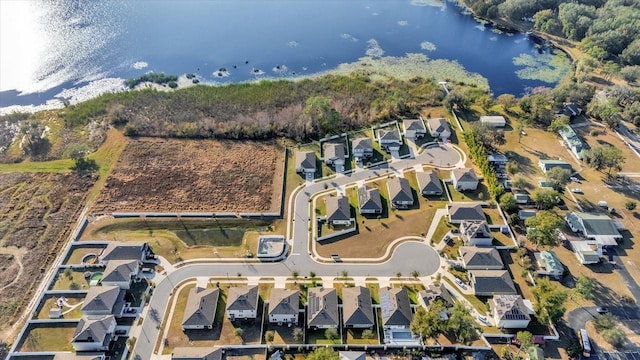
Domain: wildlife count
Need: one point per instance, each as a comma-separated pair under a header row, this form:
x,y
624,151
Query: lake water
x,y
77,49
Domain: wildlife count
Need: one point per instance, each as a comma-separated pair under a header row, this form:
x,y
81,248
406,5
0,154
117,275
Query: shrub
x,y
630,205
331,334
615,336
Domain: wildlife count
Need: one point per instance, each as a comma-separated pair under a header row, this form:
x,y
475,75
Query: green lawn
x,y
480,194
354,336
441,230
53,166
451,251
317,337
49,302
48,337
75,281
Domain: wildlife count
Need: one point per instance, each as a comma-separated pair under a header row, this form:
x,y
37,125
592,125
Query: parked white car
x,y
461,284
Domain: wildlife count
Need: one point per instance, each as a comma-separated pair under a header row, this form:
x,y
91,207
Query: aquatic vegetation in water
x,y
403,23
437,3
139,65
410,66
374,49
349,37
280,69
429,46
549,68
293,43
257,72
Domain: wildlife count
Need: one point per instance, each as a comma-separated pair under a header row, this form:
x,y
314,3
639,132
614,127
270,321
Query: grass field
x,y
64,282
54,337
49,302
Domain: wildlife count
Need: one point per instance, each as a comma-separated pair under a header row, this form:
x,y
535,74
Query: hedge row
x,y
479,156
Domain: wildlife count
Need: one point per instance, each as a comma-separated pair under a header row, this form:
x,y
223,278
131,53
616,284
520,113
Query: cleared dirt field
x,y
194,175
37,212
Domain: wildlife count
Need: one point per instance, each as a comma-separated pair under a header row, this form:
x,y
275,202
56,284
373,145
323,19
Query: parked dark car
x,y
120,332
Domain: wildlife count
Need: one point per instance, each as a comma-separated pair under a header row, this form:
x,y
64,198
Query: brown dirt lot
x,y
37,212
194,175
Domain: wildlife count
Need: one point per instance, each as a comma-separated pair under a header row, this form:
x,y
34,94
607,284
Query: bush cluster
x,y
479,156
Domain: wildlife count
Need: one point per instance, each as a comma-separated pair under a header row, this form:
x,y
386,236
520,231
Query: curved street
x,y
407,257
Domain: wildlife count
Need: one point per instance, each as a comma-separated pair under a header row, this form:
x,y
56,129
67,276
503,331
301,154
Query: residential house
x,y
525,214
94,333
242,302
369,200
197,353
476,233
125,251
498,161
200,311
389,140
395,308
546,165
414,129
549,264
587,252
362,148
464,179
305,162
465,212
338,210
103,300
284,306
492,282
571,110
334,155
352,355
120,273
439,127
322,308
400,193
357,310
429,183
572,141
494,121
509,312
598,227
475,258
433,293
522,198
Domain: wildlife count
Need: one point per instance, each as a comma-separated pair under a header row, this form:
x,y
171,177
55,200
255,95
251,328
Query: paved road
x,y
630,138
628,280
406,258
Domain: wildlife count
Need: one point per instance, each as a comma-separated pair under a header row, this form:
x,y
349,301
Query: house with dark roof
x,y
476,258
120,273
357,310
369,200
546,165
338,210
429,183
460,212
200,311
362,148
395,308
498,161
242,302
322,308
334,154
571,109
476,233
125,251
197,353
509,312
400,193
433,293
305,162
598,227
284,306
464,179
389,140
94,333
103,300
414,128
494,121
492,282
439,128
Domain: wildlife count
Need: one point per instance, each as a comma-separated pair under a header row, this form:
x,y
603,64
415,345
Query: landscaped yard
x,y
318,337
354,336
79,251
284,334
480,194
48,337
72,280
49,302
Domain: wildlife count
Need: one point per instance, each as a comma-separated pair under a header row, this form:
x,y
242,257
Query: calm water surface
x,y
77,49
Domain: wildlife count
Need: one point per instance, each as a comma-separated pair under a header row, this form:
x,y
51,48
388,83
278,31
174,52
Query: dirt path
x,y
17,254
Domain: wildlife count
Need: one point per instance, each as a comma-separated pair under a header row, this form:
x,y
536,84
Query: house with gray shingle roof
x,y
352,355
362,148
305,162
125,251
389,140
322,308
338,210
429,183
598,227
439,127
103,300
94,333
476,233
357,310
435,292
475,258
509,312
333,154
465,212
400,193
197,353
414,128
284,306
369,200
492,282
242,302
200,311
120,273
396,308
464,179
